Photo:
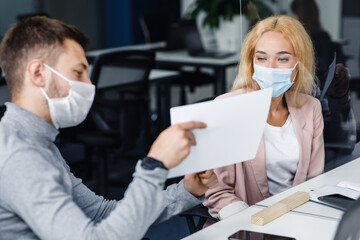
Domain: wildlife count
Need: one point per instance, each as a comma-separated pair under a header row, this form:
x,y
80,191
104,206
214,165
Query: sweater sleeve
x,y
33,189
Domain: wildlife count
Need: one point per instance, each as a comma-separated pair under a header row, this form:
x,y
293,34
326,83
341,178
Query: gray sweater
x,y
41,199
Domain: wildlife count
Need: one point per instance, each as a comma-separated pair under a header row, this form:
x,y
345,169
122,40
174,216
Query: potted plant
x,y
223,16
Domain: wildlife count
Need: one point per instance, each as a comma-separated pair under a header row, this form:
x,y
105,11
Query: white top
x,y
281,155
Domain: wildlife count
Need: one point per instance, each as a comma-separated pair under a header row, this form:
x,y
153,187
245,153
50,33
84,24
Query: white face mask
x,y
71,110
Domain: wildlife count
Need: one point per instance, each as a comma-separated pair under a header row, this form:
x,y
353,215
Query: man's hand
x,y
198,183
341,82
173,144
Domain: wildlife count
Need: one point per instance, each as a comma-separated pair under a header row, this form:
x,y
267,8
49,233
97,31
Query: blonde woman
x,y
277,53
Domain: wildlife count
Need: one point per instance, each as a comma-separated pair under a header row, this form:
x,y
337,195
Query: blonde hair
x,y
295,33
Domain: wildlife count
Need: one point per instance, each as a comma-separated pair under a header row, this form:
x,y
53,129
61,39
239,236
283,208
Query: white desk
x,y
309,221
347,172
166,59
92,54
297,225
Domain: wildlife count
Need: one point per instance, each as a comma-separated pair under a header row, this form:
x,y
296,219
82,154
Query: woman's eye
x,y
261,59
283,59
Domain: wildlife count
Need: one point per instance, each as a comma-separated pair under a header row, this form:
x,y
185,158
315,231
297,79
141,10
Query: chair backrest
x,y
155,26
349,226
4,94
121,106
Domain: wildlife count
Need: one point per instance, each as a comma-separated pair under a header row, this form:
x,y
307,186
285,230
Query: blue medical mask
x,y
276,78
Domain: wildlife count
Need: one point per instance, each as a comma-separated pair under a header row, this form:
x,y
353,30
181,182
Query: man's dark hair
x,y
34,38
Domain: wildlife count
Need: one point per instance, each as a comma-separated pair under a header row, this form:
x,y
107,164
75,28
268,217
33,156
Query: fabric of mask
x,y
279,79
71,110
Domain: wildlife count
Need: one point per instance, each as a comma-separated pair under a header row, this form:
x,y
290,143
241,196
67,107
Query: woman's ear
x,y
36,72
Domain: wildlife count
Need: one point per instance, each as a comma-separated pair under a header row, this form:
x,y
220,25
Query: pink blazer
x,y
247,181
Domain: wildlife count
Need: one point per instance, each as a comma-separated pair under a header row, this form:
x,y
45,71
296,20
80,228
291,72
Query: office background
x,y
112,23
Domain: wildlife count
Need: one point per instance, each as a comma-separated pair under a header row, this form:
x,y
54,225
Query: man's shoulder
x,y
15,147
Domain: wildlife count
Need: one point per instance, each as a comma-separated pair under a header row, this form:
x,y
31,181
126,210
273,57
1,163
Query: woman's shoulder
x,y
302,100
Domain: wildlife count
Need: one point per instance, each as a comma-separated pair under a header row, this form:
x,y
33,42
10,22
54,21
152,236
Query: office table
x,y
308,221
160,78
298,225
178,59
347,172
181,58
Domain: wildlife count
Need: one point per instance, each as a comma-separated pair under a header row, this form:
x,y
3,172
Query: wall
x,y
9,9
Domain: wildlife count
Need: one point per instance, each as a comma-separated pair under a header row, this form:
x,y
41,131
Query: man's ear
x,y
35,70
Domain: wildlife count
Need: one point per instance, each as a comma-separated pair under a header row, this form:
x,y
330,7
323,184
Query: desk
x,y
346,172
166,59
309,221
158,77
298,225
91,55
182,58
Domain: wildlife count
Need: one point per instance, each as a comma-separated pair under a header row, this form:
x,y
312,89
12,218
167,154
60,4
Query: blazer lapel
x,y
259,164
299,121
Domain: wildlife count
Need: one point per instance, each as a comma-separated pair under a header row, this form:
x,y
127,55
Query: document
x,y
235,127
329,77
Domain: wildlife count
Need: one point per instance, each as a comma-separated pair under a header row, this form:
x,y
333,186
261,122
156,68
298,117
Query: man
x,y
46,72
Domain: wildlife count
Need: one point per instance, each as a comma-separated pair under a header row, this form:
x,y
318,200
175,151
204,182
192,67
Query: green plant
x,y
215,10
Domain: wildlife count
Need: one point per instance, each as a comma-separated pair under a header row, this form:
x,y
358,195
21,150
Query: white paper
x,y
234,129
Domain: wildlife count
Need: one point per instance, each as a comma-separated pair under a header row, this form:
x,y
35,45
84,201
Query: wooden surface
x,y
276,210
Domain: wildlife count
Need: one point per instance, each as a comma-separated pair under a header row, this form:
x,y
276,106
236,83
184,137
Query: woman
x,y
276,53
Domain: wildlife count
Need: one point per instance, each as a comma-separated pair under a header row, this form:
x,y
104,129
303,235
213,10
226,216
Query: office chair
x,y
4,95
349,226
199,211
120,113
160,27
155,26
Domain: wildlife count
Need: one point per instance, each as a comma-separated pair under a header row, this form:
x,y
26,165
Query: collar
x,y
29,123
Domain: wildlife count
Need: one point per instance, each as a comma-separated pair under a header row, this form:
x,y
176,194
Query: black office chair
x,y
349,226
4,94
120,113
160,27
155,26
201,212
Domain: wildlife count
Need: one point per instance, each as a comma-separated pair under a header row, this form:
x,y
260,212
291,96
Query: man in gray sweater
x,y
47,74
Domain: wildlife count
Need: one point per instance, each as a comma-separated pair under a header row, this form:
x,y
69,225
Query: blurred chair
x,y
4,94
160,27
349,226
155,26
200,212
120,113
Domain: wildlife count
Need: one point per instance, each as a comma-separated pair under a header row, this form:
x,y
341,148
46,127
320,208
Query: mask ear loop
x,y
293,80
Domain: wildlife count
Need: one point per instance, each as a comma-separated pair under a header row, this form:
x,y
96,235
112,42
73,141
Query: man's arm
x,y
34,190
188,193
